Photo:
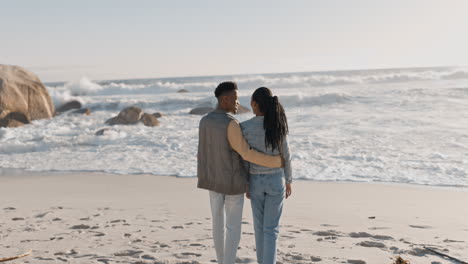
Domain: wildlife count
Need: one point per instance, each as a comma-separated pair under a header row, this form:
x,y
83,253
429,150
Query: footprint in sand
x,y
371,244
245,260
453,241
421,226
159,221
77,227
41,258
127,253
328,233
419,252
367,235
9,208
178,227
62,259
294,257
17,219
328,225
196,245
148,257
118,221
161,245
187,255
356,261
41,215
104,260
378,228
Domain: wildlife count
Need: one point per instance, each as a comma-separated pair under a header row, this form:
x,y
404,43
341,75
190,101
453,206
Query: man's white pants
x,y
232,206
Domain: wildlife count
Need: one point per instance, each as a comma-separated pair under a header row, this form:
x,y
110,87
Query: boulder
x,y
201,110
14,119
149,120
101,132
18,117
21,91
116,121
10,123
158,115
128,116
82,111
131,114
68,106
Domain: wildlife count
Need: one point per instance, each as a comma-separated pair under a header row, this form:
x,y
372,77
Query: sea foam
x,y
397,125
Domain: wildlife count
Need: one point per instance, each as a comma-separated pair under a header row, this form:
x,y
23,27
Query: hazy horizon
x,y
108,40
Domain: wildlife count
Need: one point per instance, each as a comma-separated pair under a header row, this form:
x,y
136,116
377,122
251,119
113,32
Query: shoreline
x,y
113,218
13,171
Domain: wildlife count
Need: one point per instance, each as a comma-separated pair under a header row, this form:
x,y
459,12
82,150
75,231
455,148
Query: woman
x,y
267,132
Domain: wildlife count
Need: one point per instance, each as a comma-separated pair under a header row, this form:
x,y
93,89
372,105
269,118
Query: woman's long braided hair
x,y
274,121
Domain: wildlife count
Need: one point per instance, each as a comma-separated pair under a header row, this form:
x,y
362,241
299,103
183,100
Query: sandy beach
x,y
104,218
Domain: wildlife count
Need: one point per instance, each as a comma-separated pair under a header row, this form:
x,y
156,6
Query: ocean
x,y
392,125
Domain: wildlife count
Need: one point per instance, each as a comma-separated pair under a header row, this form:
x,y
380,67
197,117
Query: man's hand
x,y
288,190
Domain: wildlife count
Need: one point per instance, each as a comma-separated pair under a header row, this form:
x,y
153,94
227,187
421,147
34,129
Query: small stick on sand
x,y
444,255
16,257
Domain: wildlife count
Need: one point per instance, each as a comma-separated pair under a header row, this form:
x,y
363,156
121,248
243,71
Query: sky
x,y
111,39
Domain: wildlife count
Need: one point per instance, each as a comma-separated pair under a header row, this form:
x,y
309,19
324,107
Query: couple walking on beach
x,y
251,158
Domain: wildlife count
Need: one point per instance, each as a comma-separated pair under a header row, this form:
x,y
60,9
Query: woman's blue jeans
x,y
266,197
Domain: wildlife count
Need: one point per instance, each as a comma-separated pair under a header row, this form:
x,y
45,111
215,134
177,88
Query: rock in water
x,y
128,116
201,110
149,120
158,115
21,91
101,132
131,114
68,106
14,119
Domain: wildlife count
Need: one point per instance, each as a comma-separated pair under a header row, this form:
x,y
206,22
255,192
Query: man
x,y
221,170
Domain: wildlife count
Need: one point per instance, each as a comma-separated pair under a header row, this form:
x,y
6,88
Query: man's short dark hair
x,y
224,88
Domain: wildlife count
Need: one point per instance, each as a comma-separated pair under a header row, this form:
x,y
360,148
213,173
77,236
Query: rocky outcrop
x,y
101,132
132,115
149,120
158,115
68,106
14,119
201,110
21,91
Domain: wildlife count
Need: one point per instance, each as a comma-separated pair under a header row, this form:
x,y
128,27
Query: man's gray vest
x,y
220,168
